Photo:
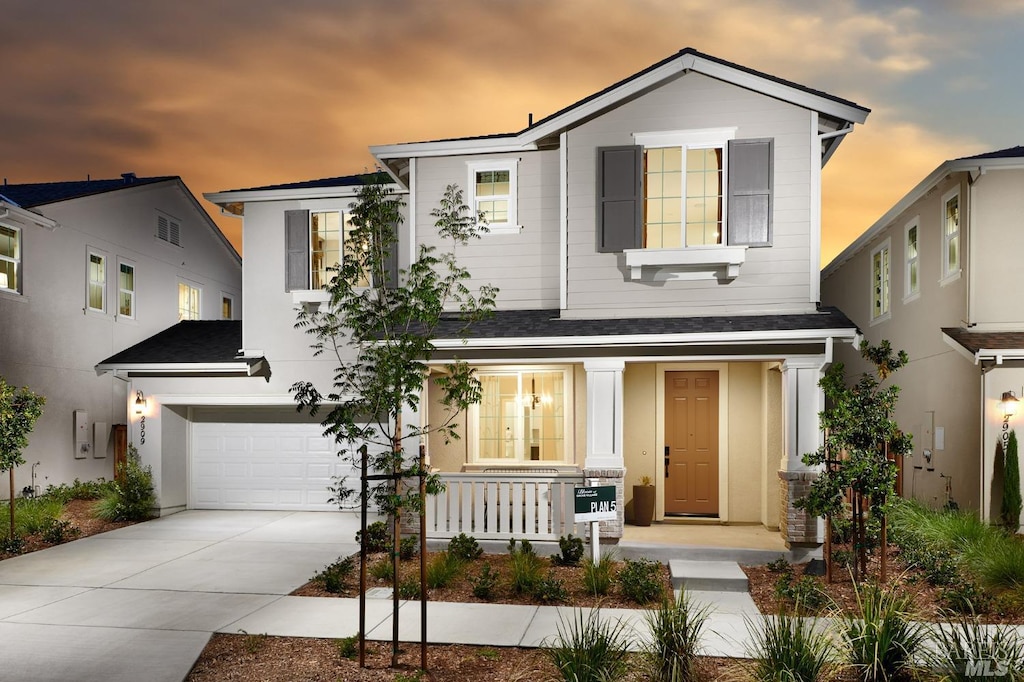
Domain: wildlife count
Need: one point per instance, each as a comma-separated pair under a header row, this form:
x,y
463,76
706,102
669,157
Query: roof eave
x,y
15,213
248,367
222,199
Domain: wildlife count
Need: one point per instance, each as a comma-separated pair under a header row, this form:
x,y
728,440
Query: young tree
x,y
380,331
19,410
1011,500
861,440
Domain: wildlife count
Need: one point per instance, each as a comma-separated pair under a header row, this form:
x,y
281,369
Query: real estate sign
x,y
595,503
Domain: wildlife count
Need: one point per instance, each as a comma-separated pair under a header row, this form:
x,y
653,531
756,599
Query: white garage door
x,y
261,459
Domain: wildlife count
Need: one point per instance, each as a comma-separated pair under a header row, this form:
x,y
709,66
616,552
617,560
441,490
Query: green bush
x,y
525,547
382,570
408,547
335,576
598,577
485,583
787,648
803,591
640,580
588,649
965,597
465,547
779,565
12,545
571,551
1011,502
882,638
78,490
525,572
671,653
442,570
60,531
999,564
31,515
378,537
551,590
348,647
409,588
131,498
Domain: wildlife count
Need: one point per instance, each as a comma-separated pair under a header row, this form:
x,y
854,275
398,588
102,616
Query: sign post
x,y
595,503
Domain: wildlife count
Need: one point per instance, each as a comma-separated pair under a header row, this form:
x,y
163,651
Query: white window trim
x,y
947,274
135,290
885,246
309,295
473,419
194,285
510,165
908,294
230,297
90,252
18,273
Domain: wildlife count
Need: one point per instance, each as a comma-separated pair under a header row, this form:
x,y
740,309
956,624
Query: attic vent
x,y
168,229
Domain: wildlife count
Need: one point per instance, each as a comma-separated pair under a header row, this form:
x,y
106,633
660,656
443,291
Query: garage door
x,y
261,459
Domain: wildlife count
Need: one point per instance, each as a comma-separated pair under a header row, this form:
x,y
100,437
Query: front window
x,y
329,233
97,289
126,290
880,280
493,192
188,302
10,258
521,416
683,207
913,264
951,234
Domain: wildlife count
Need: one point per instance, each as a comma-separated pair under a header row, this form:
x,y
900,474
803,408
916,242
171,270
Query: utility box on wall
x,y
83,444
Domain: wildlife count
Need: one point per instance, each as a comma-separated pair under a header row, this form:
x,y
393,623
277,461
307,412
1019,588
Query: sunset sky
x,y
240,93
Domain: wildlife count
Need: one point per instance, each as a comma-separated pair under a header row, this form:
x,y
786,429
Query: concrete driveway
x,y
138,604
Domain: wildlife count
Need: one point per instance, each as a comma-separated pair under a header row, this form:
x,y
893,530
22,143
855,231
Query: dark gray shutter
x,y
619,198
391,263
296,228
750,192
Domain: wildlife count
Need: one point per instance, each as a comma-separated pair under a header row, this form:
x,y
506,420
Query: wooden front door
x,y
691,443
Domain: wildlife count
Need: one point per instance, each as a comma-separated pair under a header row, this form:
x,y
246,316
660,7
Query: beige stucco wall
x,y
745,442
997,208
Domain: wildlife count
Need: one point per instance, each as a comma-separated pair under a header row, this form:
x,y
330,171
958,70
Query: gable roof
x,y
207,347
1007,159
39,193
233,200
688,59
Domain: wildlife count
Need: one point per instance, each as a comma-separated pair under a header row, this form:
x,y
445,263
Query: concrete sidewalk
x,y
140,603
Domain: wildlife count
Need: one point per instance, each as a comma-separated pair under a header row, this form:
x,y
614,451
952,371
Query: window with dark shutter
x,y
750,192
619,198
296,227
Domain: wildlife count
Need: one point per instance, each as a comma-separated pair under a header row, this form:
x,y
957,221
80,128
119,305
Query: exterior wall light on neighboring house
x,y
1009,403
140,410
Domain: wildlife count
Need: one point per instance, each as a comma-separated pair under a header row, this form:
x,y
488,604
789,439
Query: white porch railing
x,y
499,506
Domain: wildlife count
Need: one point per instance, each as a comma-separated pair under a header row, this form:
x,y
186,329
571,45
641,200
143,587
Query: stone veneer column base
x,y
797,527
610,530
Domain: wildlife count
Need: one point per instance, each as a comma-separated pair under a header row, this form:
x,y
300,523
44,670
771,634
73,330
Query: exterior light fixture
x,y
140,403
1009,403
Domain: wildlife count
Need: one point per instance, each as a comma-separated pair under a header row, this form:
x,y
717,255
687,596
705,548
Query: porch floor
x,y
753,536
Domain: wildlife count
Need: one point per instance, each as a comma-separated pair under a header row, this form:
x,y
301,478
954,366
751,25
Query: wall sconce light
x,y
1009,403
140,403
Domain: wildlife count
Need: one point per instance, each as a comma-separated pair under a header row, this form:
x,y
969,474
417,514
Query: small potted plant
x,y
643,502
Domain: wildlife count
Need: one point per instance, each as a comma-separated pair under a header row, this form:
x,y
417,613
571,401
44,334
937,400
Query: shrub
x,y
999,564
787,648
587,649
525,572
465,547
964,644
965,597
409,588
130,498
378,537
525,547
485,583
571,551
640,580
442,570
1011,502
382,570
842,558
408,547
60,531
78,490
676,626
550,590
335,576
779,565
803,591
882,639
34,515
598,578
12,544
348,647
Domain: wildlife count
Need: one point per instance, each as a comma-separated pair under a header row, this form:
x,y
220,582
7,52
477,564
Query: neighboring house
x,y
88,268
656,246
934,276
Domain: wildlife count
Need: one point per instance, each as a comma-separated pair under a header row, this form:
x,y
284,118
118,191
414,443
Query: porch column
x,y
802,400
604,460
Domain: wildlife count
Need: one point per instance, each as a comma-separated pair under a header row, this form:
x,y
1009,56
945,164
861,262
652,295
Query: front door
x,y
691,443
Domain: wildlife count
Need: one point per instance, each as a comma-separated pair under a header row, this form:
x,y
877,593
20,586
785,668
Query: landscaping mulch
x,y
79,514
461,590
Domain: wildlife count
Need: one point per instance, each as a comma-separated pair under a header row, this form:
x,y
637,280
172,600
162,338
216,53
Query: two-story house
x,y
656,246
932,276
88,268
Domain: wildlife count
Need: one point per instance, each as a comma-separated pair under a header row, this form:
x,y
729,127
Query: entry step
x,y
722,576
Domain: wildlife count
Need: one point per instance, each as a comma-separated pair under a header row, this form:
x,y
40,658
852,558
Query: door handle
x,y
666,461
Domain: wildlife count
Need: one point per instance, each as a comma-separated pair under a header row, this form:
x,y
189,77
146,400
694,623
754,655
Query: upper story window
x,y
10,259
126,290
96,290
951,234
912,266
168,229
521,416
316,241
188,301
683,195
880,281
227,307
493,192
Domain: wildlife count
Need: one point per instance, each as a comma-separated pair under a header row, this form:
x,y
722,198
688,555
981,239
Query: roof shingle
x,y
39,193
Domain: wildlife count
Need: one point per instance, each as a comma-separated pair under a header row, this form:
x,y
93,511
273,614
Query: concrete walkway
x,y
141,602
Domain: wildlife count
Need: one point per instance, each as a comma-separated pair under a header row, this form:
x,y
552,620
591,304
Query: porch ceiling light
x,y
140,403
1009,404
